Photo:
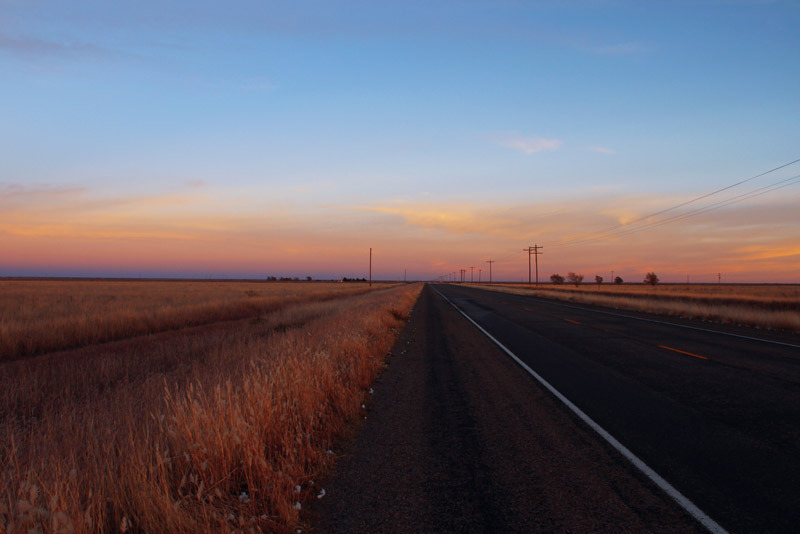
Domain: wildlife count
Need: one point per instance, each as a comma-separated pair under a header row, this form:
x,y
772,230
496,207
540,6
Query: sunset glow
x,y
144,140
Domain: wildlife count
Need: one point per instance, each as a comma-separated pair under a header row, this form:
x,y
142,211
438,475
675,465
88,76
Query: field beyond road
x,y
218,419
38,316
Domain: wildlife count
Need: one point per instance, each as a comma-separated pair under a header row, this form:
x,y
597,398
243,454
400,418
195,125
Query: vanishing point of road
x,y
472,434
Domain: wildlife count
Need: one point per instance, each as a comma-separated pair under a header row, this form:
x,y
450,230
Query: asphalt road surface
x,y
460,438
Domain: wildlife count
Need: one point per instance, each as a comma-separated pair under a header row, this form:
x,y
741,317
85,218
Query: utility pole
x,y
719,278
490,262
479,275
370,266
529,263
534,251
471,275
463,272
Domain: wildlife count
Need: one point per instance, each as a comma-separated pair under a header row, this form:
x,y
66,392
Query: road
x,y
460,438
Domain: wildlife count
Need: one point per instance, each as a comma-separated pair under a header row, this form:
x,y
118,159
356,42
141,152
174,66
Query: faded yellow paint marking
x,y
683,352
571,321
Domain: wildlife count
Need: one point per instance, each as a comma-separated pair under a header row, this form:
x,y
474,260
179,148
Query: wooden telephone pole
x,y
533,251
490,262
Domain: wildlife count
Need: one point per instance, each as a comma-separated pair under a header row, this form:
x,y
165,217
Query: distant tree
x,y
598,280
308,278
271,279
651,278
575,278
618,280
557,279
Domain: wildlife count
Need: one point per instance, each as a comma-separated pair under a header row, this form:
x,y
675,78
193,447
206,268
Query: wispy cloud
x,y
26,46
14,196
600,149
70,201
760,252
531,145
484,219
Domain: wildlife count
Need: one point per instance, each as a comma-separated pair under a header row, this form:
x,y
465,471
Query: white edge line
x,y
659,481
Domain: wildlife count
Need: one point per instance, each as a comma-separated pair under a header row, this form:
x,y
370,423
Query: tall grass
x,y
217,428
45,315
773,307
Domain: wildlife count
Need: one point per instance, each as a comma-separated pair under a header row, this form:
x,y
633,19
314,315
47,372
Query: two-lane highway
x,y
716,414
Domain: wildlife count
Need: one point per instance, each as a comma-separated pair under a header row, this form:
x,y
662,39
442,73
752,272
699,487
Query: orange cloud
x,y
753,253
201,230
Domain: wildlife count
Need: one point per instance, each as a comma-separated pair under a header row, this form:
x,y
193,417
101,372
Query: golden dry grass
x,y
770,293
38,316
774,307
209,428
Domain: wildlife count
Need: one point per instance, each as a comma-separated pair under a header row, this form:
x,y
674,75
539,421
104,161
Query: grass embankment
x,y
208,429
38,316
772,307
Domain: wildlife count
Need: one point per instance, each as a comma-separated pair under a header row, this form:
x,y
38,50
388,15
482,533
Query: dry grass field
x,y
767,306
38,316
220,426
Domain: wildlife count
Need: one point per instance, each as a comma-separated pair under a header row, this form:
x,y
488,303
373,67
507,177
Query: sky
x,y
257,138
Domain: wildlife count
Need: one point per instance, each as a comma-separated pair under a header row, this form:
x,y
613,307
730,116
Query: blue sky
x,y
324,114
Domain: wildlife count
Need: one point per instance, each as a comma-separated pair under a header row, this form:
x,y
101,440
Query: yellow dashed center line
x,y
571,321
683,352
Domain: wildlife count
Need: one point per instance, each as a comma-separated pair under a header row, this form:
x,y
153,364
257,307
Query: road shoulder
x,y
459,439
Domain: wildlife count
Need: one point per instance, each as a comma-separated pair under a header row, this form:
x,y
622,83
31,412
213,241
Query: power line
x,y
715,206
717,191
710,207
625,228
508,258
